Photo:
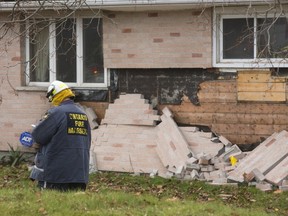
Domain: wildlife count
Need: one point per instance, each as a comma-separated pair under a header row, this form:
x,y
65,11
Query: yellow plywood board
x,y
260,86
262,96
253,76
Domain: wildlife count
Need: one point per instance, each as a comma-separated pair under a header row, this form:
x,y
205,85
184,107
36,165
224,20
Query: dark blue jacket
x,y
64,137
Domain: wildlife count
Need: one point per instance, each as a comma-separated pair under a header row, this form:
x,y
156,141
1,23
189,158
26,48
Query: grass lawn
x,y
123,194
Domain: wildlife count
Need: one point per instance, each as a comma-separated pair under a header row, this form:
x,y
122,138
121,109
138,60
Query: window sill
x,y
259,64
82,94
31,89
41,89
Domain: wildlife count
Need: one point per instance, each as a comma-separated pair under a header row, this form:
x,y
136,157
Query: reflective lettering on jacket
x,y
77,124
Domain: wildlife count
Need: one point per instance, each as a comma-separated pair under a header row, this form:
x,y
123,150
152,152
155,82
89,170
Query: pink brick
x,y
172,145
127,30
175,34
158,40
152,14
117,145
107,158
16,58
151,146
116,50
197,55
131,55
8,124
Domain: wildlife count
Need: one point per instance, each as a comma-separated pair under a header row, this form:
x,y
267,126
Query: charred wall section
x,y
161,86
206,98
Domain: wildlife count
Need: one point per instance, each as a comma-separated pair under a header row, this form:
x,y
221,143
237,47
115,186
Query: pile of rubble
x,y
134,138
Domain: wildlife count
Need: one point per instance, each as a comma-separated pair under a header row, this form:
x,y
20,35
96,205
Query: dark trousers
x,y
62,186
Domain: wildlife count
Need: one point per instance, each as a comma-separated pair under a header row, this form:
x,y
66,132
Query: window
x,y
69,50
249,41
272,38
238,39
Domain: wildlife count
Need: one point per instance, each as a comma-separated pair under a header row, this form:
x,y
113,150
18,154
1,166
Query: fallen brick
x,y
259,177
264,186
194,174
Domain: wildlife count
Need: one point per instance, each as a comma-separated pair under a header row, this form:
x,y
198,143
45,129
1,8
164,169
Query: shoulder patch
x,y
45,116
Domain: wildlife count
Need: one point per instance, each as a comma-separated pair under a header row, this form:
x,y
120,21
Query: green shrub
x,y
14,157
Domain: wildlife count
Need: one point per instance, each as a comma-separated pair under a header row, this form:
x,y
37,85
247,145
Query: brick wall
x,y
162,39
18,109
178,39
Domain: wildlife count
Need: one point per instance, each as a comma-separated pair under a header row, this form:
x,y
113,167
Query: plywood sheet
x,y
260,86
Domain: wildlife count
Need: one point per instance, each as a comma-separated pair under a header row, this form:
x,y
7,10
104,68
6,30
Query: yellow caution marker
x,y
233,160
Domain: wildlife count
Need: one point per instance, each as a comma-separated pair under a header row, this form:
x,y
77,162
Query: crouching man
x,y
64,137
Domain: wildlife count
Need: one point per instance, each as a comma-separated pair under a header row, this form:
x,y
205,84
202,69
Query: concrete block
x,y
191,167
284,182
180,172
92,117
203,161
167,112
207,168
229,168
226,184
221,165
264,186
219,180
259,177
218,174
225,141
190,129
248,176
191,160
187,177
283,188
194,174
214,160
153,173
206,175
201,176
166,175
231,151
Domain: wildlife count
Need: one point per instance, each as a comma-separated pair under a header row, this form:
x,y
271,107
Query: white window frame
x,y
52,59
218,61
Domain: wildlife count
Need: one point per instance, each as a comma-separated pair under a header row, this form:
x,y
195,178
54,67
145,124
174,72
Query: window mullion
x,y
27,44
52,51
255,38
221,39
79,51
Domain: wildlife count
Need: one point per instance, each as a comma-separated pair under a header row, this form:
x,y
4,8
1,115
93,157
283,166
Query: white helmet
x,y
54,88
